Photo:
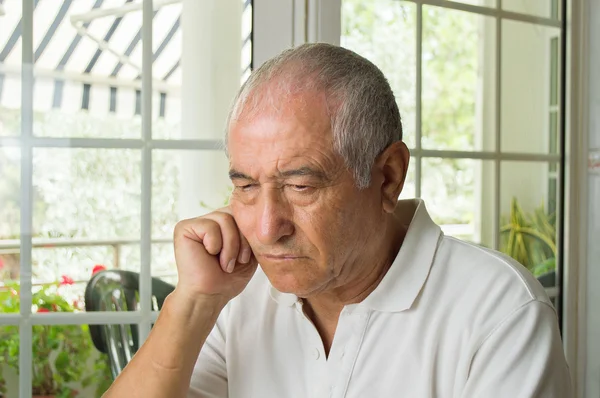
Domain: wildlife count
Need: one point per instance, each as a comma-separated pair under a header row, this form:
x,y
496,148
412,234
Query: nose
x,y
273,219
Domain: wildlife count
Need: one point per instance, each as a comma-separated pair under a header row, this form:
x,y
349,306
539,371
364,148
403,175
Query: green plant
x,y
64,357
530,238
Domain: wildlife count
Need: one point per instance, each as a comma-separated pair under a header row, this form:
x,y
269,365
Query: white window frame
x,y
280,24
26,142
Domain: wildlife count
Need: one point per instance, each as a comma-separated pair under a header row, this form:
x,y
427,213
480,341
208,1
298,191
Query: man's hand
x,y
213,257
215,263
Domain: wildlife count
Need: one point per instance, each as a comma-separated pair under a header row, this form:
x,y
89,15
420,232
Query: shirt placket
x,y
317,370
345,348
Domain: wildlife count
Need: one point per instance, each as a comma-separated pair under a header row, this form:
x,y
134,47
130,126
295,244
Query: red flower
x,y
43,310
97,268
66,280
1,264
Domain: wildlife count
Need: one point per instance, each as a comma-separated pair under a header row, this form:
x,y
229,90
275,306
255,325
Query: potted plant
x,y
530,238
64,359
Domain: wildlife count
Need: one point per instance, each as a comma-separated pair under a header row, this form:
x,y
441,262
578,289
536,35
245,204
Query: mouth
x,y
282,257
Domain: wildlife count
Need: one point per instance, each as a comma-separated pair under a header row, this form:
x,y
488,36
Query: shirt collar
x,y
404,280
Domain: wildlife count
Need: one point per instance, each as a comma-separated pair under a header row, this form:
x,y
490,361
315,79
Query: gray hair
x,y
364,115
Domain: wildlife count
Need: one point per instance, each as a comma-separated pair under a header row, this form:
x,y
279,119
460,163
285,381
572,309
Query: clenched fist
x,y
212,256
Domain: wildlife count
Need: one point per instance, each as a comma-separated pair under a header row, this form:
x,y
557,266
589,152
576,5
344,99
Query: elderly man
x,y
357,294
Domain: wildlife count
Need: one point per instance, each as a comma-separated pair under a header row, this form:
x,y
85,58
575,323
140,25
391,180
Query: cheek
x,y
325,230
243,218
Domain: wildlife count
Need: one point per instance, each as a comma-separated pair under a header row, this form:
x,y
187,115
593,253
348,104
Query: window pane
x,y
528,225
185,184
86,212
458,194
384,32
66,363
9,353
83,88
199,66
10,227
458,80
10,68
540,8
527,79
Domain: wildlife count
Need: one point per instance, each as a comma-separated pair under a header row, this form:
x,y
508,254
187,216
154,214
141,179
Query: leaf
x,y
62,360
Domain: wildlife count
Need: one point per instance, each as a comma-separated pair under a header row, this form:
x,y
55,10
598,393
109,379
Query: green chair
x,y
118,290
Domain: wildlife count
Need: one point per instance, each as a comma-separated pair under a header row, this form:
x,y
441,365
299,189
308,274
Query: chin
x,y
288,282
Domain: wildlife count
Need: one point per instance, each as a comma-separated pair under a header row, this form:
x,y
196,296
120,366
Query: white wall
x,y
211,70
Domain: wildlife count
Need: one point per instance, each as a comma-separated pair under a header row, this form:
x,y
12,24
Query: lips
x,y
282,256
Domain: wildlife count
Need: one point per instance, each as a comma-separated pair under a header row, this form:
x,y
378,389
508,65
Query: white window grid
x,y
145,317
497,156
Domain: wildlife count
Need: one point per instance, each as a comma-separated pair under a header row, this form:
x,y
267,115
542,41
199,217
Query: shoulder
x,y
491,270
478,288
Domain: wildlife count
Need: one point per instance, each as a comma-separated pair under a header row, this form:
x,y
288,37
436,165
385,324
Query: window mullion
x,y
25,331
497,132
146,213
418,107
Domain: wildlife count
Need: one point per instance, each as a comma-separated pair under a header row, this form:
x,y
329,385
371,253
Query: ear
x,y
392,165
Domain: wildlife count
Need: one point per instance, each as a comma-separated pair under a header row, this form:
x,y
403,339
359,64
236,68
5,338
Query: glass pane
x,y
540,8
10,218
527,80
65,362
83,89
185,184
458,80
384,31
458,194
196,75
10,68
9,360
528,223
86,212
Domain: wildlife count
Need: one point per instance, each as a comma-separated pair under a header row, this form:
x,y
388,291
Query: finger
x,y
245,253
245,250
209,233
201,230
230,239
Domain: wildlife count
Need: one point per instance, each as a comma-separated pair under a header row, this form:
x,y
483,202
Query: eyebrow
x,y
238,175
302,171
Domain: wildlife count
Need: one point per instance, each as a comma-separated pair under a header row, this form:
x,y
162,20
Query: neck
x,y
368,271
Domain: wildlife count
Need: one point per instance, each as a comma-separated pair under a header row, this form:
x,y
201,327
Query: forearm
x,y
163,366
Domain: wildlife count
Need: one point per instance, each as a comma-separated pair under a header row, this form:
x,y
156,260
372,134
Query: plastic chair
x,y
118,290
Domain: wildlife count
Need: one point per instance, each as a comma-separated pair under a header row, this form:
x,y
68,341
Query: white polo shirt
x,y
449,319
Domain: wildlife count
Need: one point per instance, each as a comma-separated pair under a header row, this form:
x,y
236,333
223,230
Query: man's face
x,y
294,199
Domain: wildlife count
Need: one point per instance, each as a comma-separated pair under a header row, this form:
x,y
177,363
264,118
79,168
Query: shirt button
x,y
316,353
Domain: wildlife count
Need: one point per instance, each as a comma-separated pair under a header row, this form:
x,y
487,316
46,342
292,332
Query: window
x,y
477,83
109,110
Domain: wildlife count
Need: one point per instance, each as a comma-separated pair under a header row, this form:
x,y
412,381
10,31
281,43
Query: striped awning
x,y
88,55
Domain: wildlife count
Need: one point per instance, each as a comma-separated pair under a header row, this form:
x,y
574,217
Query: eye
x,y
245,187
299,188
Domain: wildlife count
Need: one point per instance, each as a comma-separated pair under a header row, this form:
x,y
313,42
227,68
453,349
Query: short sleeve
x,y
209,379
523,357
